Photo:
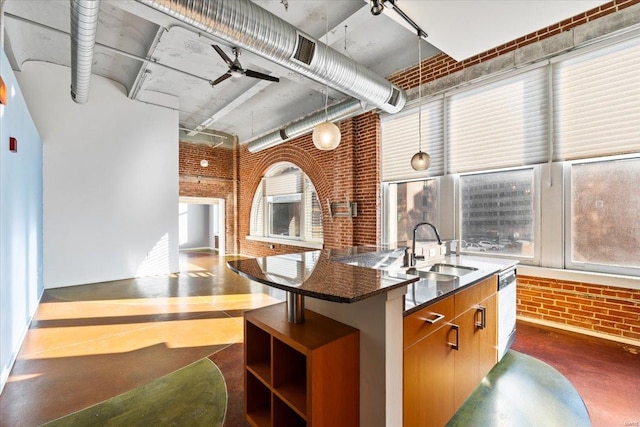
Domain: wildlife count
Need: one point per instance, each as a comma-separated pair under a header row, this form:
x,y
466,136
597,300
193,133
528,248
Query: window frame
x,y
263,232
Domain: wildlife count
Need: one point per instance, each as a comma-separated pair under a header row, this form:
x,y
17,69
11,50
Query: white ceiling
x,y
464,28
249,107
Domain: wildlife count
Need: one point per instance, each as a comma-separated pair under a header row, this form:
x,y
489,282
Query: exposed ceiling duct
x,y
243,24
343,110
84,25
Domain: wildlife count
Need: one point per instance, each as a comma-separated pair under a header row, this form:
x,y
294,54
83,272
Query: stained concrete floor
x,y
92,342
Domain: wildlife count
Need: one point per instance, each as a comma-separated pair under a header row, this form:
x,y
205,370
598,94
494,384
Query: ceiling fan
x,y
236,70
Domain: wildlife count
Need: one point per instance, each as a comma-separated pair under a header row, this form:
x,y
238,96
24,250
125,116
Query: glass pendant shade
x,y
326,136
421,161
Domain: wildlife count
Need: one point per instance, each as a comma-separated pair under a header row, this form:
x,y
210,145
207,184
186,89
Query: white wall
x,y
20,221
110,180
195,226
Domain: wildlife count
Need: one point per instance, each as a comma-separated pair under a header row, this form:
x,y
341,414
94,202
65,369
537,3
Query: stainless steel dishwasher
x,y
506,310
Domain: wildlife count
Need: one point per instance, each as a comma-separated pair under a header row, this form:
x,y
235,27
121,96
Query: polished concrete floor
x,y
89,343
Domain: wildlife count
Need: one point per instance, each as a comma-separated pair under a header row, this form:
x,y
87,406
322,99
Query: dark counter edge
x,y
325,297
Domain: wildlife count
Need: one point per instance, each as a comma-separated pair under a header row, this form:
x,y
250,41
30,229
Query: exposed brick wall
x,y
604,309
367,225
349,172
442,64
220,161
216,180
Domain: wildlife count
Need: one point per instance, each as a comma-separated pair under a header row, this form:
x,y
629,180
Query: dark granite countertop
x,y
352,274
341,275
432,287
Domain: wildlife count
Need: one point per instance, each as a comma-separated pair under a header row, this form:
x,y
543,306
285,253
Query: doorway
x,y
201,224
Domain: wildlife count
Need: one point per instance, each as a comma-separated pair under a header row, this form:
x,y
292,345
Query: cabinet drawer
x,y
422,323
474,294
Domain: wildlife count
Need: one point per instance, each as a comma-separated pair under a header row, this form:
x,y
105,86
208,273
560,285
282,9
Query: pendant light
x,y
326,135
421,160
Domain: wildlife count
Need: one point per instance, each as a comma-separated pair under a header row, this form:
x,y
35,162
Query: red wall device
x,y
13,144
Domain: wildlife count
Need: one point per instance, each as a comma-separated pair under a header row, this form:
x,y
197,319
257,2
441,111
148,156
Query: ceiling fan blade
x,y
223,55
257,75
221,79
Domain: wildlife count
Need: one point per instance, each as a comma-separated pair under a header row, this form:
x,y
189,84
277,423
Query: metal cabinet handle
x,y
456,345
437,317
483,317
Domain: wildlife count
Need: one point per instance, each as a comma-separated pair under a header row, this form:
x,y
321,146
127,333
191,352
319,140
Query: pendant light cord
x,y
419,95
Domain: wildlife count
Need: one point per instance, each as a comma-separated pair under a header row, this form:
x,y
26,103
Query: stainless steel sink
x,y
453,270
432,275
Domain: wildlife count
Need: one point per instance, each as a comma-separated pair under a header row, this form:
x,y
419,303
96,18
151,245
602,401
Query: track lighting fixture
x,y
376,7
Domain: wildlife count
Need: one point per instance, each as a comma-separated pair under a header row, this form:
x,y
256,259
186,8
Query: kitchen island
x,y
365,288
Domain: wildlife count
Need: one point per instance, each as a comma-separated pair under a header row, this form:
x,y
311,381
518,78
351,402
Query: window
x,y
604,223
497,212
286,207
409,204
493,143
284,215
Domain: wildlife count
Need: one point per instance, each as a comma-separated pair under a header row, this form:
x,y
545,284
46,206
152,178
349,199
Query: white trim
x,y
199,200
299,243
575,329
587,277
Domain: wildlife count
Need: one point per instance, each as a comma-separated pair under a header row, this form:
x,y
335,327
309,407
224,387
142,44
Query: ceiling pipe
x,y
341,111
84,26
243,24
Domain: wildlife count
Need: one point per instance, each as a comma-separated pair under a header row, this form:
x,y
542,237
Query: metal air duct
x,y
343,110
244,24
84,25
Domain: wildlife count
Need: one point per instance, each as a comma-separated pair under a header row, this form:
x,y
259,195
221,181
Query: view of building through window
x,y
497,212
415,202
605,213
285,215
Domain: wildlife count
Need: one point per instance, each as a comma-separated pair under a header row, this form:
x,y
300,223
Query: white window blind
x,y
256,227
286,183
501,124
597,103
400,138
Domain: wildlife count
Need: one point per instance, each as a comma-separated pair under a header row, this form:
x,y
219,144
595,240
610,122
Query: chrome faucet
x,y
415,257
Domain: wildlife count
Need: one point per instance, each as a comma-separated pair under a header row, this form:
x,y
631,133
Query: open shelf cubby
x,y
300,374
290,375
283,415
258,352
259,407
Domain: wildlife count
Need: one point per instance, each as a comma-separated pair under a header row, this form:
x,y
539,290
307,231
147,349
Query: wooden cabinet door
x,y
428,380
466,357
477,351
488,351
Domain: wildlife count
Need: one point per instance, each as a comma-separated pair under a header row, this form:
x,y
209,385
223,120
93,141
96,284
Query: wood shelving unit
x,y
300,374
